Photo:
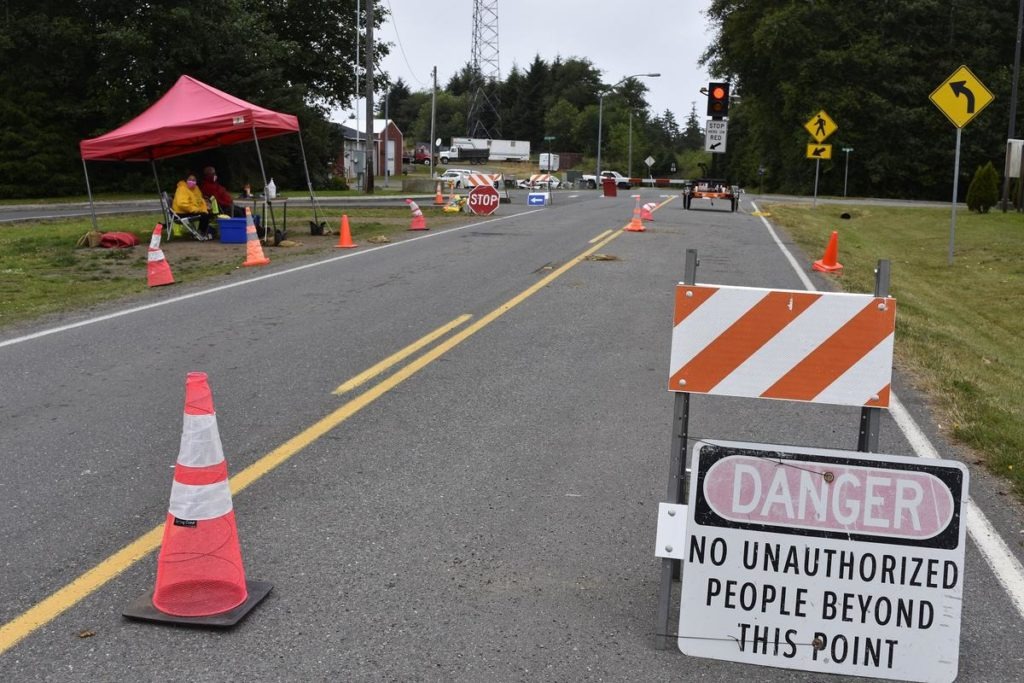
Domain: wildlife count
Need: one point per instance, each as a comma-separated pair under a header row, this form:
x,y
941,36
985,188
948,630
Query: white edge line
x,y
221,288
1005,565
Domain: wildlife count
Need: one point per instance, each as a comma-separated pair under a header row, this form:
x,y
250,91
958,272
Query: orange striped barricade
x,y
802,346
492,179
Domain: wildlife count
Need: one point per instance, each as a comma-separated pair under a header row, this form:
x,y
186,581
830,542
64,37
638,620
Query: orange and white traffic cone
x,y
637,224
200,578
439,197
158,271
418,222
345,236
829,262
253,251
646,211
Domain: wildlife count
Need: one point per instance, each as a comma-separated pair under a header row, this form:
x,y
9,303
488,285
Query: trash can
x,y
608,187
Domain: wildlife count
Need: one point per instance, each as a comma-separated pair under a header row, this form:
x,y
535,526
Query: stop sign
x,y
483,200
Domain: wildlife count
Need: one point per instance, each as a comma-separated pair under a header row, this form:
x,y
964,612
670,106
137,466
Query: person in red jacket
x,y
211,188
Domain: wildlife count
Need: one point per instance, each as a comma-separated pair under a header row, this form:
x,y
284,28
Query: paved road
x,y
483,509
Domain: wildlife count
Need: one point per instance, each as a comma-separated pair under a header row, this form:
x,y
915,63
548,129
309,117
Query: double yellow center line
x,y
57,603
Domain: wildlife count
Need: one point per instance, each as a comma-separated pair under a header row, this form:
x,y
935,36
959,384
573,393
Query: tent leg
x,y
309,183
88,189
263,172
163,209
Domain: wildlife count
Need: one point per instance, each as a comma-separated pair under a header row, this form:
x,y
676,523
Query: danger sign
x,y
483,200
831,561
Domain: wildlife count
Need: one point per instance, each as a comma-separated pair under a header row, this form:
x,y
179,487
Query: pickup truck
x,y
418,155
621,181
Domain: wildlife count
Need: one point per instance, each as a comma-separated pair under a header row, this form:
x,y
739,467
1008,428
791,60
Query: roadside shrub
x,y
983,192
337,182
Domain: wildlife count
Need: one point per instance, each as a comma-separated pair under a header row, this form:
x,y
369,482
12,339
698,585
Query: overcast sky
x,y
620,38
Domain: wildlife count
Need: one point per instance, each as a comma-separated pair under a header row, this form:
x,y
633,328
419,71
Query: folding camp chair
x,y
184,221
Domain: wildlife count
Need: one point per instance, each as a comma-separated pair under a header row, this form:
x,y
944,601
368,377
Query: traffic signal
x,y
718,100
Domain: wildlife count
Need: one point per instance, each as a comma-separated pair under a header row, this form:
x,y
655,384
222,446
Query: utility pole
x,y
433,120
1013,100
355,116
371,150
387,166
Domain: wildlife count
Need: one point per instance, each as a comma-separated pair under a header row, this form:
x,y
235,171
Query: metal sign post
x,y
956,183
817,167
677,482
871,418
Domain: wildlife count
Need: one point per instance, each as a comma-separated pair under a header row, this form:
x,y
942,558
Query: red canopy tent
x,y
190,117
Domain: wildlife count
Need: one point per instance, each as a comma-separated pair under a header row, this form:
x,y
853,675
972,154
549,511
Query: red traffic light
x,y
718,100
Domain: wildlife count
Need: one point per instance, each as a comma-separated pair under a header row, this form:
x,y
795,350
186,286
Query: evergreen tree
x,y
983,192
693,134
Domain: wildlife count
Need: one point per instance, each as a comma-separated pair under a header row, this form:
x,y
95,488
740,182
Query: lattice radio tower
x,y
483,120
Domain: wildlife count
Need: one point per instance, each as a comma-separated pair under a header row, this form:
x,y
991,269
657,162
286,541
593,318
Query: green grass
x,y
959,326
42,272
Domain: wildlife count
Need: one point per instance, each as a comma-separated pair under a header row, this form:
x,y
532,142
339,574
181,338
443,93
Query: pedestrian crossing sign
x,y
820,126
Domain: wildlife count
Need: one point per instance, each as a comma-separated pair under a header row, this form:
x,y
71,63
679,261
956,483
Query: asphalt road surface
x,y
481,506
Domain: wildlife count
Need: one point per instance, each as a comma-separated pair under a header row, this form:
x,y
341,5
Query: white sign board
x,y
1012,167
715,135
838,562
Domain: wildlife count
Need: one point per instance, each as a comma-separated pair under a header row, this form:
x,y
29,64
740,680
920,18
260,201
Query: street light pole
x,y
630,169
600,114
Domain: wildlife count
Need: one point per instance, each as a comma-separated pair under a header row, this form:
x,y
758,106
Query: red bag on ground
x,y
118,240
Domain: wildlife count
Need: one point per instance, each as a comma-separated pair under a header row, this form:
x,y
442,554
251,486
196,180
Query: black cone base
x,y
144,610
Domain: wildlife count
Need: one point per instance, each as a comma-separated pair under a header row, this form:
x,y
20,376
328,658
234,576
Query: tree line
x,y
871,65
74,70
559,99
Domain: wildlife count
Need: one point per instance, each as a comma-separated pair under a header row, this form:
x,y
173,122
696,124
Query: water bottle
x,y
271,190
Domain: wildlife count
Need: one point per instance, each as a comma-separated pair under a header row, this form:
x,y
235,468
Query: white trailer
x,y
501,150
548,161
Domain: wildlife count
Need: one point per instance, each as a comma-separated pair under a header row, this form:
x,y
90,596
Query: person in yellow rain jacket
x,y
189,202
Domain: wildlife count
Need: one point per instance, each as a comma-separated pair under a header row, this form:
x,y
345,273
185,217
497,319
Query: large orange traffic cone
x,y
158,272
636,225
646,211
253,251
439,197
200,578
345,236
829,263
418,222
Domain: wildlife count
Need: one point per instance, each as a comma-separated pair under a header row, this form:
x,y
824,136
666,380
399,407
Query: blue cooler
x,y
232,230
